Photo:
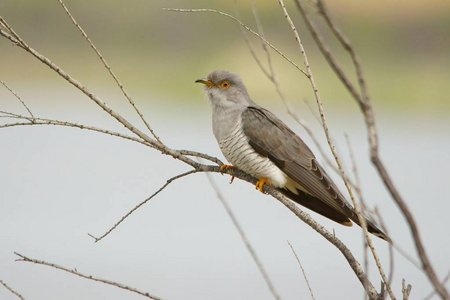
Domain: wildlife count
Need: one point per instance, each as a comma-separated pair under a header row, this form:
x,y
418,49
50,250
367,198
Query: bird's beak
x,y
206,82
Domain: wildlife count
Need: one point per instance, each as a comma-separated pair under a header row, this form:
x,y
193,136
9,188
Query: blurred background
x,y
58,184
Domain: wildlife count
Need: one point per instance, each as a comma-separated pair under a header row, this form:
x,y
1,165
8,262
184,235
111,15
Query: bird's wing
x,y
271,138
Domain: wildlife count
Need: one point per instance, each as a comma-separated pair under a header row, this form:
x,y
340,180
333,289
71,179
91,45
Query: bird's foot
x,y
260,184
228,167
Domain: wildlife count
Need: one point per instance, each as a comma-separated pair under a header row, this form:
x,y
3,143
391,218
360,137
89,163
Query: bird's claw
x,y
260,184
228,167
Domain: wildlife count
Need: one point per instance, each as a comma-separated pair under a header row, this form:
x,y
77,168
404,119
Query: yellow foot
x,y
260,184
228,167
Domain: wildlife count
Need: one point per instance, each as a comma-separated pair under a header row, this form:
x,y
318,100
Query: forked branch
x,y
90,277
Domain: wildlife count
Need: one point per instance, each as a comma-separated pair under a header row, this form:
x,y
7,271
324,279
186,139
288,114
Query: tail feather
x,y
322,208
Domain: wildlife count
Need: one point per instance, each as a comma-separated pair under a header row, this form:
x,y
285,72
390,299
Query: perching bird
x,y
258,143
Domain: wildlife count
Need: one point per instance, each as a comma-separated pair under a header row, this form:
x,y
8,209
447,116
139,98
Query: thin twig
x,y
244,238
39,121
18,98
201,155
11,35
303,271
90,277
169,181
13,115
264,45
406,290
11,290
360,196
391,246
109,70
243,25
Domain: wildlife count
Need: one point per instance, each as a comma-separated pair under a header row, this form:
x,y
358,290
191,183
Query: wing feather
x,y
271,138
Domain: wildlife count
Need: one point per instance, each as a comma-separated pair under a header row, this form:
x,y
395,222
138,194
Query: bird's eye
x,y
225,84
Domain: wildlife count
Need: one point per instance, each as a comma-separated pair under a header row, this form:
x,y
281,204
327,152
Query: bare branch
x,y
243,25
39,121
169,181
391,246
18,98
10,34
201,155
360,196
303,271
11,290
14,116
109,70
264,45
406,290
90,277
244,238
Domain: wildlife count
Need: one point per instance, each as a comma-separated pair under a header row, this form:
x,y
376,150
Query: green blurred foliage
x,y
157,54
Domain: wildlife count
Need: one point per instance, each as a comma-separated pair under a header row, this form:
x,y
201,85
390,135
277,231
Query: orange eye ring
x,y
225,84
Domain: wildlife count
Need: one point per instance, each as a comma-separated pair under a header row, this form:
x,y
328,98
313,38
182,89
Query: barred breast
x,y
237,150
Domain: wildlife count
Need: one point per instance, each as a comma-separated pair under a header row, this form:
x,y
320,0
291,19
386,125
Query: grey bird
x,y
255,141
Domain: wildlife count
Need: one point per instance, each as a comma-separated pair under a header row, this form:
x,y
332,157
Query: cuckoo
x,y
255,141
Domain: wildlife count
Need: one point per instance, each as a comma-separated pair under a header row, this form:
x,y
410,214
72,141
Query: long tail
x,y
321,208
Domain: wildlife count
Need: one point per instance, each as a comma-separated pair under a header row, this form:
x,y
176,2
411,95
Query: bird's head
x,y
225,89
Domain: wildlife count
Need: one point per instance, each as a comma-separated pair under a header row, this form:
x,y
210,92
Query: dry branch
x,y
303,271
18,98
11,290
40,121
169,181
90,277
